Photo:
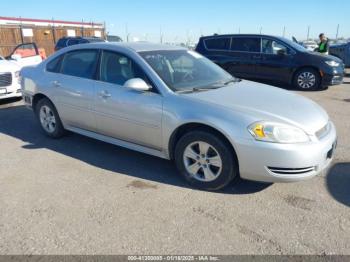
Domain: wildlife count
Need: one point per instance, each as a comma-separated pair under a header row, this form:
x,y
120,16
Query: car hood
x,y
7,66
267,103
323,57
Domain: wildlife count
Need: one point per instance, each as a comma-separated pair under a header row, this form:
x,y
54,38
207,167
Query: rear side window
x,y
61,43
81,63
246,44
218,43
54,65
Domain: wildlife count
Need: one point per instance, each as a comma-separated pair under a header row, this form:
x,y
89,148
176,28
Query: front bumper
x,y
333,77
11,91
272,162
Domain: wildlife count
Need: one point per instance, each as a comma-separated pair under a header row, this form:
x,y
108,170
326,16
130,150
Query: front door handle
x,y
56,83
105,94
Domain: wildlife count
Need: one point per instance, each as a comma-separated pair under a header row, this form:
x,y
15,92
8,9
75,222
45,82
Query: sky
x,y
185,21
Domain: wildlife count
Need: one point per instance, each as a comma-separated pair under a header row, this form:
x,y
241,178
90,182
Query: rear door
x,y
277,60
72,81
245,55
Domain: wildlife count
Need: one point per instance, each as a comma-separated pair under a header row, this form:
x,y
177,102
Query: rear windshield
x,y
61,43
95,40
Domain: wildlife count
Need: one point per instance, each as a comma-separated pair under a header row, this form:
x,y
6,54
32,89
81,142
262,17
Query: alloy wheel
x,y
47,119
202,161
306,80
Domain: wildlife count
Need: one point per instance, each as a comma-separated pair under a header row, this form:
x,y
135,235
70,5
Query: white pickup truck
x,y
23,55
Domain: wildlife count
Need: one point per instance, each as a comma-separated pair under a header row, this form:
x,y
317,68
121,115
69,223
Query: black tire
x,y
59,130
299,85
229,170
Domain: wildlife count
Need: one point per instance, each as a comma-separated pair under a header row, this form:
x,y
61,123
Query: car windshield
x,y
296,46
184,70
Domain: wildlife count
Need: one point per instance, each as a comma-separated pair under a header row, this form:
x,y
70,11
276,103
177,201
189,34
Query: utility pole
x,y
308,33
336,36
284,31
160,35
260,29
126,33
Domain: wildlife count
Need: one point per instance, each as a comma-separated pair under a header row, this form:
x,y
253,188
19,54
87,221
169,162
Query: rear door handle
x,y
56,83
105,94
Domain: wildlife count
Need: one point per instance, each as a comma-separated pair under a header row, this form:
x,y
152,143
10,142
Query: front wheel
x,y
205,161
307,79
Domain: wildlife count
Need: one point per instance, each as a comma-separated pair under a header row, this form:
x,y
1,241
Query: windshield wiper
x,y
232,80
197,89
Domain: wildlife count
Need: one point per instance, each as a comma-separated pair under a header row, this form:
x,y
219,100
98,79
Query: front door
x,y
26,55
276,62
122,113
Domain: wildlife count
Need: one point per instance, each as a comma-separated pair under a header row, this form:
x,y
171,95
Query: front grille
x,y
5,79
323,131
291,171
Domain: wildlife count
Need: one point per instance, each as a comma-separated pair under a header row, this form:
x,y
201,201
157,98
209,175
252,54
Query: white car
x,y
23,55
9,79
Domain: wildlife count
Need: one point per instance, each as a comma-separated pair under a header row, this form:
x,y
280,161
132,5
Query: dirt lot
x,y
80,196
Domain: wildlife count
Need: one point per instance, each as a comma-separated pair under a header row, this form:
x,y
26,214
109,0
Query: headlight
x,y
277,133
18,76
332,63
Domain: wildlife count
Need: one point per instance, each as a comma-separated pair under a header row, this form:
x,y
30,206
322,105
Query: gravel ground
x,y
80,196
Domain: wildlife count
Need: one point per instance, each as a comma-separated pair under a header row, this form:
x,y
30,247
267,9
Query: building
x,y
45,33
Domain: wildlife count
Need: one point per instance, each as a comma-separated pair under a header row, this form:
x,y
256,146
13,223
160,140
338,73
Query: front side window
x,y
218,43
81,63
117,69
272,47
246,44
185,70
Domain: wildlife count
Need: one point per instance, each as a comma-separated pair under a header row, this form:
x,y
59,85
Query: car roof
x,y
138,46
241,35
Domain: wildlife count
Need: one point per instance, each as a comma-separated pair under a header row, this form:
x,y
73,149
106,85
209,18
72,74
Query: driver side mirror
x,y
281,52
137,84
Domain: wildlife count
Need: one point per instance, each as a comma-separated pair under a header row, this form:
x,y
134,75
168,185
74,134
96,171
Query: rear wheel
x,y
307,79
49,119
205,161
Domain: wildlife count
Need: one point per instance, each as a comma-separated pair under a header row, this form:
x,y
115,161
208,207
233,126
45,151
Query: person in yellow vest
x,y
323,46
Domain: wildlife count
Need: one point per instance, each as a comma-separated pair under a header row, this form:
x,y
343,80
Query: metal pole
x,y
20,28
82,28
126,33
336,36
284,31
308,33
53,31
260,29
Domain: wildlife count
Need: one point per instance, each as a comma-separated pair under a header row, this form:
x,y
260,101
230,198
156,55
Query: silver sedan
x,y
175,104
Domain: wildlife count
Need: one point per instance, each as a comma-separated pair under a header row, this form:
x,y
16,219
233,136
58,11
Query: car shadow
x,y
338,182
19,122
